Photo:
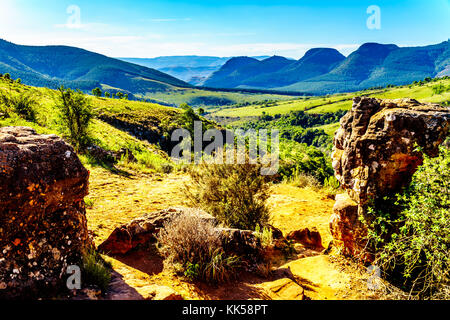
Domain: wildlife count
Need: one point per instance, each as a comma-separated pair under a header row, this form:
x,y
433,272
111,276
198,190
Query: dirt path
x,y
118,199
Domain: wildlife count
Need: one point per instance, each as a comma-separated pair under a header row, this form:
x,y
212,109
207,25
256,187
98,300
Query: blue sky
x,y
223,28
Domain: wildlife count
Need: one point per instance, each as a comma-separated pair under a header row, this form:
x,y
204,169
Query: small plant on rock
x,y
95,270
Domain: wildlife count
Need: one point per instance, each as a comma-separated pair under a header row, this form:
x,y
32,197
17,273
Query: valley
x,y
127,188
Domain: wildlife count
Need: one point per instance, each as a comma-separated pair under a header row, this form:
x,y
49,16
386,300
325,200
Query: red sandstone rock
x,y
309,238
375,155
43,225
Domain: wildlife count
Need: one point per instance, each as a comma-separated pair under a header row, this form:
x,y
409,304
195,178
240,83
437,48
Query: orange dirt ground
x,y
117,199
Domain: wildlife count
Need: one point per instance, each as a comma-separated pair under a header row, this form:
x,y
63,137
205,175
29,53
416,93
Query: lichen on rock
x,y
43,225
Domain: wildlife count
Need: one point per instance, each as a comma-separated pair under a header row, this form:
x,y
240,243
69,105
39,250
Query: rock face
x,y
42,214
345,225
309,238
375,154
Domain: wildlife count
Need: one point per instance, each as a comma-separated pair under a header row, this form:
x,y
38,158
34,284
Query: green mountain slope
x,y
51,66
314,63
237,70
374,65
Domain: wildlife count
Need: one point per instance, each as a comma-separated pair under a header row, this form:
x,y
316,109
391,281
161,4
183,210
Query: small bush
x,y
22,104
194,244
89,203
95,271
304,180
75,116
235,194
220,267
331,182
265,236
414,245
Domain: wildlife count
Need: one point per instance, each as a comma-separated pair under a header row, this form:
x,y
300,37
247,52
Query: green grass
x,y
178,96
333,103
329,129
150,157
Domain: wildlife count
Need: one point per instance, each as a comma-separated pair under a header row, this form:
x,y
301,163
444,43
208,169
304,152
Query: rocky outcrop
x,y
375,155
43,225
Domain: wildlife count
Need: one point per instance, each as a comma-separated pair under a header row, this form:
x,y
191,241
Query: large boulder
x,y
375,153
43,225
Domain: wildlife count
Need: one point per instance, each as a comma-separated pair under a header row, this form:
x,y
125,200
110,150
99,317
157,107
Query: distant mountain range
x,y
192,69
51,66
319,71
325,70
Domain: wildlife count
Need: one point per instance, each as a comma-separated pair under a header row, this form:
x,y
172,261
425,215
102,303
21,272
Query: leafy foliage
x,y
415,243
23,104
75,115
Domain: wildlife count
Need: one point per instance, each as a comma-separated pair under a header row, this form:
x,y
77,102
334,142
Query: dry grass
x,y
193,245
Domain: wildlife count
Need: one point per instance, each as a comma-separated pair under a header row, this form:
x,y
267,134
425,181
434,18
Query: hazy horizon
x,y
143,29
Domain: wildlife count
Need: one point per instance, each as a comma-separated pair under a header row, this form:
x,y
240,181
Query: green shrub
x,y
331,182
89,203
265,236
192,271
235,194
414,245
75,116
23,104
95,270
221,268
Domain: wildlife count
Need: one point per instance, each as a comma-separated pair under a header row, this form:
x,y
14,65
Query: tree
x,y
97,92
75,115
125,96
107,94
119,95
201,111
7,76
